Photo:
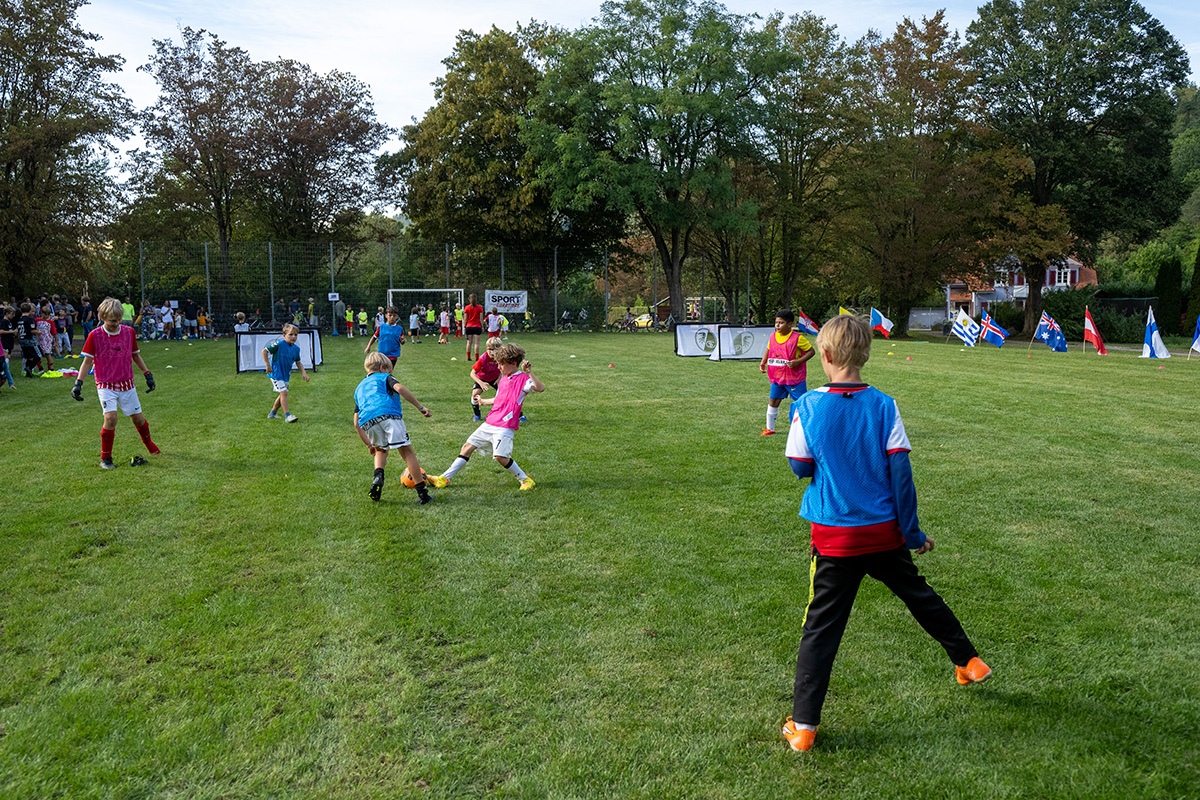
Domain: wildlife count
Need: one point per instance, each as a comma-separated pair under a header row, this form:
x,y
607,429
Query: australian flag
x,y
991,332
1050,334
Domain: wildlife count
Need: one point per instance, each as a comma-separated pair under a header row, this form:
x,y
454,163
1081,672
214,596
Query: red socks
x,y
106,440
144,431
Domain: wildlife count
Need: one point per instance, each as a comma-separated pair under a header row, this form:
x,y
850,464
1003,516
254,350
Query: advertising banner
x,y
505,302
696,340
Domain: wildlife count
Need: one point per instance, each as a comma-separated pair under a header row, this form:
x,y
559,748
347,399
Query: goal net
x,y
405,299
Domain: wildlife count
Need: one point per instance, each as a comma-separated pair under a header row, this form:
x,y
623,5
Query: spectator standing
x,y
87,315
191,322
128,312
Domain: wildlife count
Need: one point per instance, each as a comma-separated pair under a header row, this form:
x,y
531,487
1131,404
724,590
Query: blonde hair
x,y
289,327
510,354
110,308
494,343
377,362
847,340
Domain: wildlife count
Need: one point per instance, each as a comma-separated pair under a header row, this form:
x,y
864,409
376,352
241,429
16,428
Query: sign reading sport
x,y
505,302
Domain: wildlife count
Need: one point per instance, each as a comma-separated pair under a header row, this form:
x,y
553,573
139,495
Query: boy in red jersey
x,y
787,351
485,373
113,348
848,437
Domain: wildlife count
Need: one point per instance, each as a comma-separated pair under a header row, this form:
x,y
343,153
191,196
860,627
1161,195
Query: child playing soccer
x,y
497,431
848,437
390,336
379,420
285,353
787,351
414,325
444,325
362,321
113,348
485,373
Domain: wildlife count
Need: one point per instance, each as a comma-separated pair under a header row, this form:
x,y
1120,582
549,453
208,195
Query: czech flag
x,y
991,332
881,323
806,325
1090,334
1152,346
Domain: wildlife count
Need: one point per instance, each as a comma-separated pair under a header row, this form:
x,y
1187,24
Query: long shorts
x,y
386,433
782,391
494,438
279,386
126,402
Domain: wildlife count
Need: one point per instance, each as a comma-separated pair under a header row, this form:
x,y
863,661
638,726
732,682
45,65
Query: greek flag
x,y
966,329
1152,346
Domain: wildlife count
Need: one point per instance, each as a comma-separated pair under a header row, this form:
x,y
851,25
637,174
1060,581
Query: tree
x,y
1080,88
641,110
57,114
199,130
1168,287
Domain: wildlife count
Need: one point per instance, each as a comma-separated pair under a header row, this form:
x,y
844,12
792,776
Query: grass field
x,y
238,620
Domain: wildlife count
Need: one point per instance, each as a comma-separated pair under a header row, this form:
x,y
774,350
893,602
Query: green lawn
x,y
238,619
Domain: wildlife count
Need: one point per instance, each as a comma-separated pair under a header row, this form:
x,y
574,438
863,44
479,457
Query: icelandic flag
x,y
1152,346
806,325
966,329
1090,334
1050,334
991,331
881,323
1196,337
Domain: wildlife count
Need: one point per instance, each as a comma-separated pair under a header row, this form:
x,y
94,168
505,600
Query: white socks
x,y
772,415
458,464
515,470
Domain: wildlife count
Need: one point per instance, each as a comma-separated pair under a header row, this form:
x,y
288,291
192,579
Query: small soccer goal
x,y
405,299
249,349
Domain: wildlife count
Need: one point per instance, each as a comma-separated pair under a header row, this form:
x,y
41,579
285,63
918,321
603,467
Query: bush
x,y
1008,316
1168,287
1116,327
1066,306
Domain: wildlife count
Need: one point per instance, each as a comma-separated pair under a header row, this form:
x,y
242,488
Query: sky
x,y
397,47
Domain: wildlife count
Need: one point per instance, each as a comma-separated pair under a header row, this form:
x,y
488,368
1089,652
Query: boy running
x,y
113,349
379,420
389,335
484,374
279,357
848,437
783,362
497,432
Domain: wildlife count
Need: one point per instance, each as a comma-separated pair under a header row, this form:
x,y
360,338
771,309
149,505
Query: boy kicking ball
x,y
113,348
497,431
848,437
280,357
379,420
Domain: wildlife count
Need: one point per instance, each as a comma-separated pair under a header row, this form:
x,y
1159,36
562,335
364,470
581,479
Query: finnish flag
x,y
1153,346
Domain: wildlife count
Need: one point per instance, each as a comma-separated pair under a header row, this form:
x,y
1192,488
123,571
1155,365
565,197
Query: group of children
x,y
170,322
847,437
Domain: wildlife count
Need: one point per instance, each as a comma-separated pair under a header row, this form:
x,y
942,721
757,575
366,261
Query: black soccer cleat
x,y
106,463
376,488
137,461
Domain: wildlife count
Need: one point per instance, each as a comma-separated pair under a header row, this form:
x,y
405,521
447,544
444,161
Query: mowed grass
x,y
238,619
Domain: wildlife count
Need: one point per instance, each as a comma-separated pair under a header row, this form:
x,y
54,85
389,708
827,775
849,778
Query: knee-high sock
x,y
106,442
458,464
772,415
515,470
144,432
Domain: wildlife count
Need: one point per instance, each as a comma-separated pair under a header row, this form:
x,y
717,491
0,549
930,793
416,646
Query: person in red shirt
x,y
113,348
473,326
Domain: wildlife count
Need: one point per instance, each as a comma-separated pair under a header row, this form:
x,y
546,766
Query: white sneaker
x,y
291,418
272,415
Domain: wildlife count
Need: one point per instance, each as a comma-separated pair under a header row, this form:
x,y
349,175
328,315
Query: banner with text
x,y
505,302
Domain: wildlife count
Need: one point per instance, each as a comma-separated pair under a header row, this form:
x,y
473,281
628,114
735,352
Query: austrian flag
x,y
1090,334
881,323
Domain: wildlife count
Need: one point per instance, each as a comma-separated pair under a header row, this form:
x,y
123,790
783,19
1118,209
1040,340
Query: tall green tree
x,y
641,110
1080,87
58,111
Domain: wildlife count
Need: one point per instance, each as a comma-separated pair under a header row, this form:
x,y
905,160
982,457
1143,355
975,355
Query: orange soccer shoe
x,y
767,432
801,739
974,672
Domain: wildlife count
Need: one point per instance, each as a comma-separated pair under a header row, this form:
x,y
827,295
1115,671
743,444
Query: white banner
x,y
695,340
741,343
505,302
250,346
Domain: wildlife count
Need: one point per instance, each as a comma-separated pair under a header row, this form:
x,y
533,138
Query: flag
x,y
1196,337
991,331
1090,334
881,323
1050,334
966,329
806,325
843,310
1152,346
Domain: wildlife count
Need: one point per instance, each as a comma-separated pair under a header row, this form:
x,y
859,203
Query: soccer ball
x,y
406,478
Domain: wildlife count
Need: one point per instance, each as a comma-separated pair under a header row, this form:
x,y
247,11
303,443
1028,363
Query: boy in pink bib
x,y
783,362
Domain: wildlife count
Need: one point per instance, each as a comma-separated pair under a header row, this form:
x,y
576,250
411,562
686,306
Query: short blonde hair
x,y
377,362
847,340
494,343
110,308
288,327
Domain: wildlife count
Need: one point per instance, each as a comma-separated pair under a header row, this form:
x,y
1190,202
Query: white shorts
x,y
387,434
126,402
492,437
279,386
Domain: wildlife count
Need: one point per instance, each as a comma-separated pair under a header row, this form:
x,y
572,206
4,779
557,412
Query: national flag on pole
x,y
1050,334
1196,337
806,325
1090,334
991,331
881,323
966,329
843,310
1152,345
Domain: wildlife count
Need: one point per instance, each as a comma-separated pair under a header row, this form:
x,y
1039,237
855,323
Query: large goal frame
x,y
449,296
